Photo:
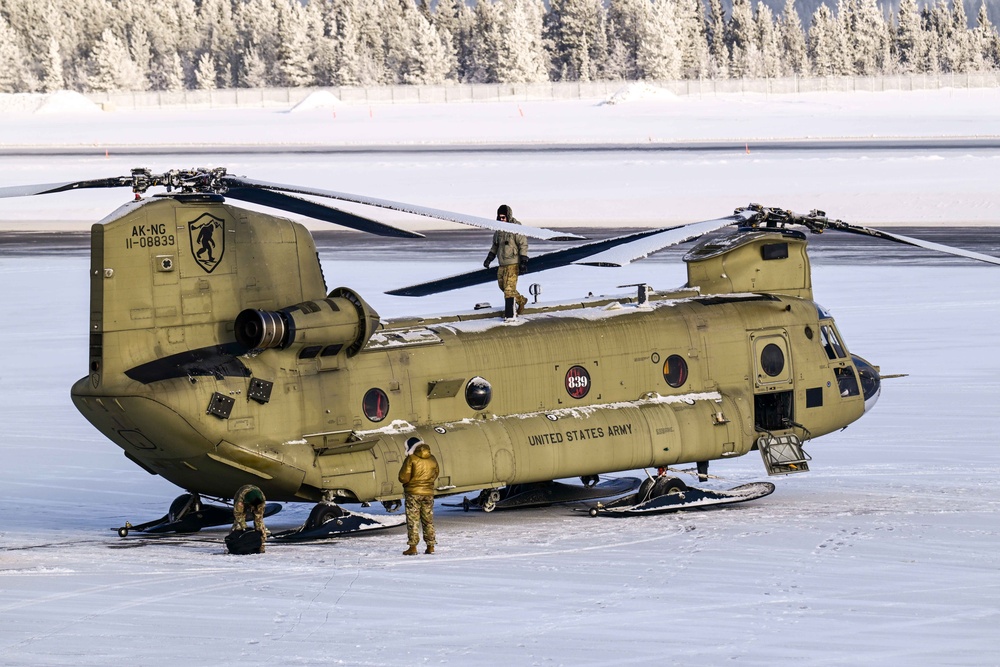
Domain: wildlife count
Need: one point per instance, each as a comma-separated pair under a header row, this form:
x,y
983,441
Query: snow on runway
x,y
886,551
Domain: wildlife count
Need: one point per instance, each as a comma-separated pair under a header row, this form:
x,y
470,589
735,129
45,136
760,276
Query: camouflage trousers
x,y
240,510
419,514
507,280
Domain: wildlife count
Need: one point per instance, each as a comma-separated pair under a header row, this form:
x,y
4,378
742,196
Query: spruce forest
x,y
117,45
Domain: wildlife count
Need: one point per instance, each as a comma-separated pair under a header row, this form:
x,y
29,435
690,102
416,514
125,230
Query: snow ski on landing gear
x,y
542,494
187,514
669,494
329,520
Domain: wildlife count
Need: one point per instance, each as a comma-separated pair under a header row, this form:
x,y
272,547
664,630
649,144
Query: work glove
x,y
522,265
489,258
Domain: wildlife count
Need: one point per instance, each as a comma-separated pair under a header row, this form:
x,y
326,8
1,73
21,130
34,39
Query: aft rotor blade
x,y
627,252
52,188
440,214
909,240
311,209
646,241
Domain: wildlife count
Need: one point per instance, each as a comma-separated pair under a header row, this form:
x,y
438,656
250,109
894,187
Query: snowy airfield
x,y
887,552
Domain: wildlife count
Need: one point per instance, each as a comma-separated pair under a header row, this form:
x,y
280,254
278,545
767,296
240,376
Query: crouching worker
x,y
418,475
241,540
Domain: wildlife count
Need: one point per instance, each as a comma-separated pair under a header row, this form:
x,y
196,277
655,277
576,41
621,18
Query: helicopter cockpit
x,y
866,382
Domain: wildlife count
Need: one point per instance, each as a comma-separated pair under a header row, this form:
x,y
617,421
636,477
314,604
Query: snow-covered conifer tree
x,y
256,23
205,73
294,47
696,60
12,63
867,34
428,59
718,44
952,27
172,73
52,67
575,33
485,41
521,57
823,42
659,55
741,40
625,21
113,66
139,49
932,42
217,28
910,43
253,71
793,41
398,38
986,40
768,42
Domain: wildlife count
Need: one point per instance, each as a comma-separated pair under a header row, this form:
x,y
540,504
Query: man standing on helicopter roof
x,y
512,251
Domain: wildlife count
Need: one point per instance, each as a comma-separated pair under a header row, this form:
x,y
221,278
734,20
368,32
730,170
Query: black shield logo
x,y
208,241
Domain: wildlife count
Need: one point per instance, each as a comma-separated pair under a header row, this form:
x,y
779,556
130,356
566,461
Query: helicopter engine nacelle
x,y
342,321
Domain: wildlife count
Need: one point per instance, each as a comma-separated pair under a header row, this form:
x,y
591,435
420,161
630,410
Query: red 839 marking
x,y
577,381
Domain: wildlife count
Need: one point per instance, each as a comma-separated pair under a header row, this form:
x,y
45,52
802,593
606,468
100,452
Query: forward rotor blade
x,y
450,216
311,209
609,252
909,240
51,188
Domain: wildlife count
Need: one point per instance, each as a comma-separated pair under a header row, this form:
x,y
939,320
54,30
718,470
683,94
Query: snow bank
x,y
19,102
639,91
62,101
321,99
66,101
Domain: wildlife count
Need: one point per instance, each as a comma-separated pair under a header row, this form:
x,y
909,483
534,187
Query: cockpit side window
x,y
847,382
828,339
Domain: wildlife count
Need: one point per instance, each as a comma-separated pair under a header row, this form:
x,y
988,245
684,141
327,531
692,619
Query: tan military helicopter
x,y
219,357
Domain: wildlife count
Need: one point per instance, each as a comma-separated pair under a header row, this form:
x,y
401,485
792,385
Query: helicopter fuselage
x,y
218,358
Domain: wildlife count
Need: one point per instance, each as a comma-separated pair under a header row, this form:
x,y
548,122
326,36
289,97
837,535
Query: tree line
x,y
114,45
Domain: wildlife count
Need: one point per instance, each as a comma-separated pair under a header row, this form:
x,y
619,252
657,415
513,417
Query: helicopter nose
x,y
871,381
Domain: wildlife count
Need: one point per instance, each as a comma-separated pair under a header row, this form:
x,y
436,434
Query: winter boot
x,y
412,551
508,308
521,300
430,549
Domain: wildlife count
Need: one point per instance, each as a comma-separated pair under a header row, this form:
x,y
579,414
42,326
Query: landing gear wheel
x,y
183,505
322,513
490,499
593,511
666,486
123,531
590,480
391,505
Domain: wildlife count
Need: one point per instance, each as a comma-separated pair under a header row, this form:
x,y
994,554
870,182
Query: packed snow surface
x,y
887,552
557,163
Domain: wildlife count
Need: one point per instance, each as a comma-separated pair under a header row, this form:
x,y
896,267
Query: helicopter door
x,y
773,383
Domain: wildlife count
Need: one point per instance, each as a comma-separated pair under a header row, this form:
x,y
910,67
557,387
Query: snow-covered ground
x,y
648,188
887,552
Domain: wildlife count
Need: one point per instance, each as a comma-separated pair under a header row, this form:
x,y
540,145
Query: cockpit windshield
x,y
830,342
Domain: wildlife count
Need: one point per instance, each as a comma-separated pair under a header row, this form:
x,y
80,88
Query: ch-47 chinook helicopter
x,y
219,357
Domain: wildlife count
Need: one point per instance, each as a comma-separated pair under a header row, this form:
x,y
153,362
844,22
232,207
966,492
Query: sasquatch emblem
x,y
208,241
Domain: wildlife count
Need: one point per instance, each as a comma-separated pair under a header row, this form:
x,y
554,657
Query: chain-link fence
x,y
561,90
